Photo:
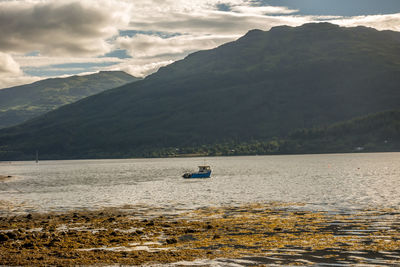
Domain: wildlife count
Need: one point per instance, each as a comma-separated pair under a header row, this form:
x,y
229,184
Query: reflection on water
x,y
337,182
296,257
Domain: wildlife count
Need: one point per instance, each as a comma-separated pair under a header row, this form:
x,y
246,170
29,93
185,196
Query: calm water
x,y
324,182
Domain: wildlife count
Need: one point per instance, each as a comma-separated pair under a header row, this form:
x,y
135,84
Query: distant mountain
x,y
260,87
20,103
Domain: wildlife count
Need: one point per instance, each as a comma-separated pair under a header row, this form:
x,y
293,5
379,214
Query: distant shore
x,y
258,233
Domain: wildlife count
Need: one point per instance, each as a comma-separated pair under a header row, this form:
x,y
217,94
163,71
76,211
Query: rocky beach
x,y
256,234
5,177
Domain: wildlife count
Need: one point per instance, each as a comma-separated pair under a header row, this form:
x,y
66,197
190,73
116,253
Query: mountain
x,y
374,132
259,87
20,103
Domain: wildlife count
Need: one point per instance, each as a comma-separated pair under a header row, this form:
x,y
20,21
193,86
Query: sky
x,y
57,38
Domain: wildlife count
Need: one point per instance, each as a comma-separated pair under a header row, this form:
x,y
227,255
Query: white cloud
x,y
164,7
379,22
263,10
10,72
8,66
140,68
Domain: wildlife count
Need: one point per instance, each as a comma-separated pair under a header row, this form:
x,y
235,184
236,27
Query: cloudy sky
x,y
49,38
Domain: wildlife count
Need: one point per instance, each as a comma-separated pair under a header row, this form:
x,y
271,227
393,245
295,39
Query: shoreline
x,y
257,233
197,155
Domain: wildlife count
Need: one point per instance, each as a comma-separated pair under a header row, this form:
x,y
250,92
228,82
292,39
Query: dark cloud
x,y
56,28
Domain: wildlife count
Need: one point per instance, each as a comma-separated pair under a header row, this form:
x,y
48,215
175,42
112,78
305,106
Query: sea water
x,y
331,182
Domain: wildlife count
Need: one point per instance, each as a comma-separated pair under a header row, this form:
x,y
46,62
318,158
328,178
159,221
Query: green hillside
x,y
260,87
375,132
20,103
378,132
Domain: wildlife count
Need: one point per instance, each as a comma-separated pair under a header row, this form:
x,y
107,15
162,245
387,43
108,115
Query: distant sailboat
x,y
37,156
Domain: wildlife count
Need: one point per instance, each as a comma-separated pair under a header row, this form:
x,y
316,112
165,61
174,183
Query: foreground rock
x,y
263,234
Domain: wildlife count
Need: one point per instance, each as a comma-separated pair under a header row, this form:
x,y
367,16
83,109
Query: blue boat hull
x,y
197,175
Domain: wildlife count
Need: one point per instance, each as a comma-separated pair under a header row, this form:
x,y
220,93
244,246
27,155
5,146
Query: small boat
x,y
204,172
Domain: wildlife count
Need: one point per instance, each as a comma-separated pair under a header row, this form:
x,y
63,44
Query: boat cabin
x,y
204,169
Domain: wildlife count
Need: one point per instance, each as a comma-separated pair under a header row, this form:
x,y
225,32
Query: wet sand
x,y
256,234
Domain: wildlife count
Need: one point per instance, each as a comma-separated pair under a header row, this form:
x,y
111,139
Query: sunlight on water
x,y
337,182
